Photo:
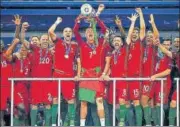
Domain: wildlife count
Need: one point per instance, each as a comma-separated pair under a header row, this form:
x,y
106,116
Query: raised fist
x,y
58,20
101,7
25,25
16,40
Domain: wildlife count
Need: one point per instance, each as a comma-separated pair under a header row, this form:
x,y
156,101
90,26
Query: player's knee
x,y
34,107
151,103
128,104
83,104
122,101
173,104
136,102
158,104
21,105
48,106
72,101
55,100
99,102
144,100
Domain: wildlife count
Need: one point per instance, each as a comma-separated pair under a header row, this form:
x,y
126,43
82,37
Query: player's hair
x,y
119,36
44,34
34,36
167,39
114,36
136,28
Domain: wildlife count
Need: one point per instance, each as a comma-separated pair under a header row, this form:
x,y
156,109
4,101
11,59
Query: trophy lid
x,y
86,9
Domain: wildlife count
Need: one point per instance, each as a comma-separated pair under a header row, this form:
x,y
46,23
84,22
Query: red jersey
x,y
118,63
6,71
91,56
42,62
106,52
22,67
62,61
162,64
135,59
149,60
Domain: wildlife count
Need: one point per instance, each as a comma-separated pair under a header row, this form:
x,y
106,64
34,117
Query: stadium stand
x,y
42,13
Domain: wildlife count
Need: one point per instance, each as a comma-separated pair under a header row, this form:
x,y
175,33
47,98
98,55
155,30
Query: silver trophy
x,y
88,11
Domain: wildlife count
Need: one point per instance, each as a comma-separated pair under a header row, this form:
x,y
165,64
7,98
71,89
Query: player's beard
x,y
45,45
134,38
67,38
116,46
149,42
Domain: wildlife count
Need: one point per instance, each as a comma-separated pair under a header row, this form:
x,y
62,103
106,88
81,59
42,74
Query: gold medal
x,y
66,56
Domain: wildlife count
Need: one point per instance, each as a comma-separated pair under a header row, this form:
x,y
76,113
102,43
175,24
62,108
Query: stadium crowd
x,y
138,53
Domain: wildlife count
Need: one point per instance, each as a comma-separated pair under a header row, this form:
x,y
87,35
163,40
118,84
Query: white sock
x,y
102,121
53,124
82,122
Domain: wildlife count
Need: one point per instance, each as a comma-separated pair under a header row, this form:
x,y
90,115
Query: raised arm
x,y
76,29
24,28
162,48
9,51
52,29
142,24
155,30
133,20
17,22
100,23
120,27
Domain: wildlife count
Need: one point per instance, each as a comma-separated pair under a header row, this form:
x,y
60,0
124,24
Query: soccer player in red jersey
x,y
149,62
21,69
118,69
90,55
7,71
134,40
42,64
175,56
65,57
5,86
162,70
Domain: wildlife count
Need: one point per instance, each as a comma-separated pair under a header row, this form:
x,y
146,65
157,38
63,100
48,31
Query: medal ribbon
x,y
92,46
117,52
41,54
67,48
